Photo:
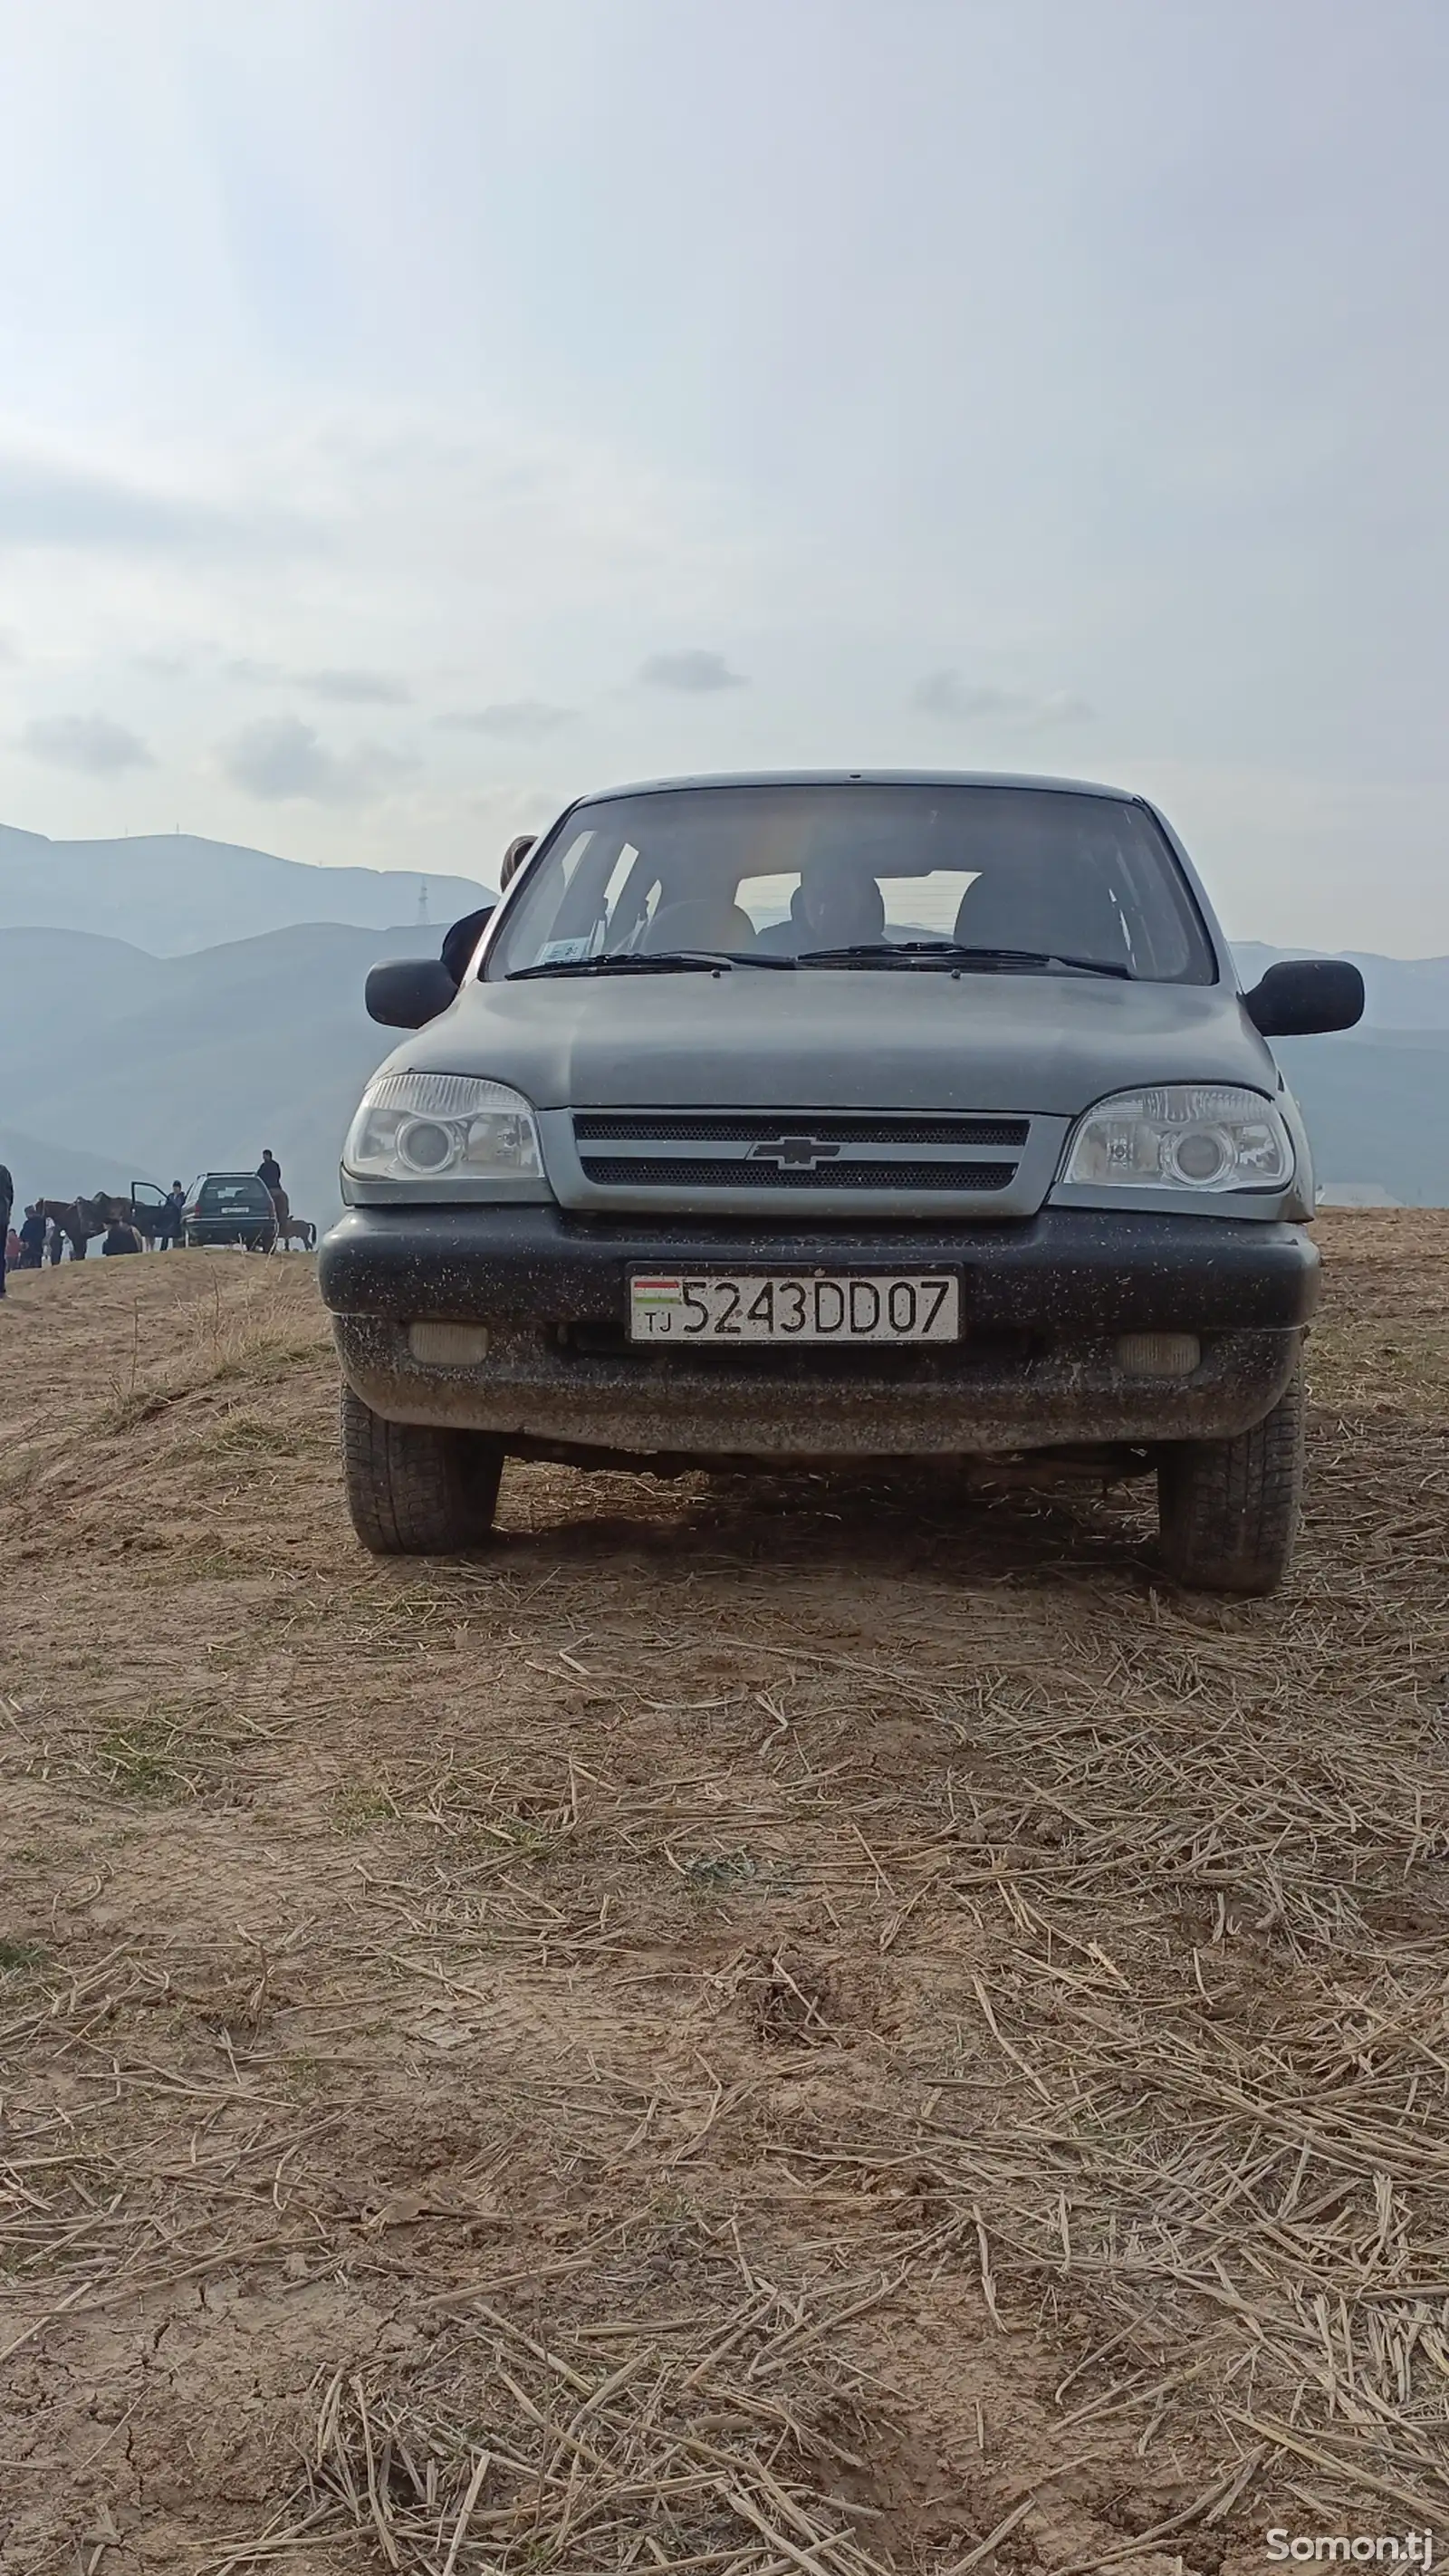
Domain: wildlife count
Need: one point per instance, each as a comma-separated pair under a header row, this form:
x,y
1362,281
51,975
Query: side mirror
x,y
409,991
463,938
1305,997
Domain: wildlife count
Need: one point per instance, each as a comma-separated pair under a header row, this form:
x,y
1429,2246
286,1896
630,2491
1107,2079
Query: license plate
x,y
834,1306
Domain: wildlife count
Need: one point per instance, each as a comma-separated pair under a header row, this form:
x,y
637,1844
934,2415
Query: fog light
x,y
1158,1354
448,1345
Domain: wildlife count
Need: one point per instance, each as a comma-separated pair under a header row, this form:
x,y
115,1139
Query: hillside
x,y
1408,993
802,2026
171,892
170,1065
1377,1107
194,1062
41,1169
1376,1098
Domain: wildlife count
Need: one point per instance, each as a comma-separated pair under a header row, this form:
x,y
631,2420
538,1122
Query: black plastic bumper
x,y
1038,1365
1065,1272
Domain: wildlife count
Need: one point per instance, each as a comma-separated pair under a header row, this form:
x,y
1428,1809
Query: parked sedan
x,y
230,1208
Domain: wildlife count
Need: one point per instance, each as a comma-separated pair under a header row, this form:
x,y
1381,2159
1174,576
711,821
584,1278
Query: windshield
x,y
785,873
232,1198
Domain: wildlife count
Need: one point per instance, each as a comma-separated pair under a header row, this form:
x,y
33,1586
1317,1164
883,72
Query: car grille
x,y
774,1150
605,1127
694,1173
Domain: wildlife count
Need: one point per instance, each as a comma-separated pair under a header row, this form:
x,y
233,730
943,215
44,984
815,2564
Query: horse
x,y
114,1210
290,1229
79,1220
150,1219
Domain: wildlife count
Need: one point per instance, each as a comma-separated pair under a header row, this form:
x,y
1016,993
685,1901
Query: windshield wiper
x,y
660,961
955,952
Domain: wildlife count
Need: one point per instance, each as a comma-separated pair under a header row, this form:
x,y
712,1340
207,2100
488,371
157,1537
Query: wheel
x,y
1228,1509
414,1489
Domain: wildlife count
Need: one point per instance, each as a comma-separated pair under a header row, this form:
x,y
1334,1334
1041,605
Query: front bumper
x,y
1043,1301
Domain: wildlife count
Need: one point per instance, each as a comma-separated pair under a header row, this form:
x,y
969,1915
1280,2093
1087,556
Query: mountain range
x,y
160,1054
169,893
1405,994
164,1067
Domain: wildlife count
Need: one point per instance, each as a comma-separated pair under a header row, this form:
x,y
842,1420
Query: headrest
x,y
700,921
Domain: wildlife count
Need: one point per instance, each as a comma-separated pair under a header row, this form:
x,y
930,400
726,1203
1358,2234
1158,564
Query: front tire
x,y
1228,1510
415,1488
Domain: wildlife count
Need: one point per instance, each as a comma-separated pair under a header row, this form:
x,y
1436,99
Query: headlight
x,y
434,1126
1186,1137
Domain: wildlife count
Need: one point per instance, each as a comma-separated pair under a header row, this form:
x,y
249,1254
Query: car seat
x,y
1061,908
699,921
846,908
786,938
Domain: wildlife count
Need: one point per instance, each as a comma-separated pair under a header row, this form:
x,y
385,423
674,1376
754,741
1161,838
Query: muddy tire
x,y
414,1489
1228,1510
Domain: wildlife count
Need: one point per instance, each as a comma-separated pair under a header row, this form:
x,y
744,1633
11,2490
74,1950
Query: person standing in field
x,y
171,1207
7,1201
121,1237
32,1239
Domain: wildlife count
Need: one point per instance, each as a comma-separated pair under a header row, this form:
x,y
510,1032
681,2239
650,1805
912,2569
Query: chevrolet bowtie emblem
x,y
800,1153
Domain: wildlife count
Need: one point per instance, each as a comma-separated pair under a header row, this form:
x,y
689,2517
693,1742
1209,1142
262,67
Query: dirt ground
x,y
810,2025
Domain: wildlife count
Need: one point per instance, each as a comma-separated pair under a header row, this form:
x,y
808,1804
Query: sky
x,y
416,412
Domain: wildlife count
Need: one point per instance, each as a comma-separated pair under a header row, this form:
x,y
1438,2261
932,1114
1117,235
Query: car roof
x,y
863,778
230,1176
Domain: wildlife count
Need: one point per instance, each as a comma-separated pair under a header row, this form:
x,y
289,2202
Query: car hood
x,y
852,1039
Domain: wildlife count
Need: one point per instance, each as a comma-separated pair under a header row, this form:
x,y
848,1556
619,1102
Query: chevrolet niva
x,y
836,1117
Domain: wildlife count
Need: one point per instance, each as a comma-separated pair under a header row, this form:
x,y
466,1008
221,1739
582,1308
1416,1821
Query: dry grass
x,y
251,1336
758,2027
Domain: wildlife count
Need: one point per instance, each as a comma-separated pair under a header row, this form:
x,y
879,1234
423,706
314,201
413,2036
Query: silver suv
x,y
835,1117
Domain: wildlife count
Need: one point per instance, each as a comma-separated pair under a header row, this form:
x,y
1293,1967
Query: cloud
x,y
519,719
694,671
253,675
356,688
90,744
1061,707
946,695
281,758
162,666
44,504
347,688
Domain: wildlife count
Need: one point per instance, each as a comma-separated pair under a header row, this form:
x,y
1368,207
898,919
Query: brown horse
x,y
80,1220
150,1217
290,1229
113,1210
